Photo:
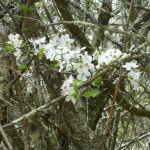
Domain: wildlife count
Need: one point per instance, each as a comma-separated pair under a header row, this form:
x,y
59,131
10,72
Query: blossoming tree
x,y
74,74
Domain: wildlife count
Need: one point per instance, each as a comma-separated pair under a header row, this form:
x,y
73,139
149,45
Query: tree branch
x,y
73,29
127,106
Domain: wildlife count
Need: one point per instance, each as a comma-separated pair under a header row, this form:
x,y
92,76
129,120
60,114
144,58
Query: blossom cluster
x,y
69,57
67,89
107,57
133,74
85,67
57,48
16,42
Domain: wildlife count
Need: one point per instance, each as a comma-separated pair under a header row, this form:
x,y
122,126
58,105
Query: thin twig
x,y
7,102
127,127
21,75
134,140
14,21
127,26
5,138
23,17
33,112
110,119
49,18
22,71
89,24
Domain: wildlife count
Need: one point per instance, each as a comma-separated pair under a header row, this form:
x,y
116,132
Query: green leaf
x,y
40,56
97,54
92,93
37,3
135,123
78,82
95,93
97,80
32,8
24,29
75,88
76,96
23,66
26,8
87,94
9,49
115,69
54,65
119,108
42,50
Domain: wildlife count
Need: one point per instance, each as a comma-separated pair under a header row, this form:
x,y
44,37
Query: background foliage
x,y
108,112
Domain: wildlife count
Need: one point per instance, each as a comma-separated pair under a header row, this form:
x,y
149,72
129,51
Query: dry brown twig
x,y
5,138
112,110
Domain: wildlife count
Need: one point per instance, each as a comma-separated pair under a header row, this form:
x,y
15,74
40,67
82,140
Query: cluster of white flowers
x,y
61,48
16,42
134,74
58,47
130,65
107,56
84,68
67,89
38,44
135,77
70,58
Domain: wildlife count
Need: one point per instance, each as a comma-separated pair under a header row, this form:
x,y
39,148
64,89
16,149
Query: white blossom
x,y
38,44
54,40
16,42
130,65
40,41
82,76
70,98
67,89
134,76
85,67
95,55
50,52
14,39
108,56
65,41
17,53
